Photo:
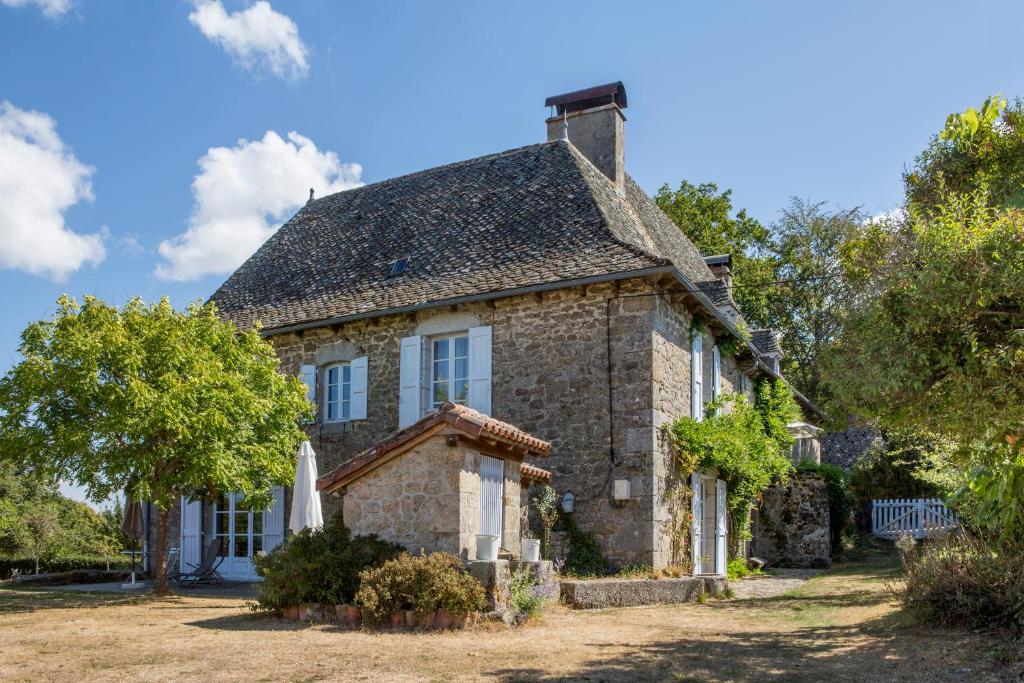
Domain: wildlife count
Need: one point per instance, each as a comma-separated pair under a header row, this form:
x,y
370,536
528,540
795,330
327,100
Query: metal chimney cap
x,y
588,98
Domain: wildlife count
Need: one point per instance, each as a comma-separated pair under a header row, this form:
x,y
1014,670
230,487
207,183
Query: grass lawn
x,y
840,626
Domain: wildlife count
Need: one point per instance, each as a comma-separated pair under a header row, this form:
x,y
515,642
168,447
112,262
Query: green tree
x,y
934,339
977,148
806,306
157,403
706,216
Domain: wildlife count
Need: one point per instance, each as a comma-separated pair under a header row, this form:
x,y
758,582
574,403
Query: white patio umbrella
x,y
306,510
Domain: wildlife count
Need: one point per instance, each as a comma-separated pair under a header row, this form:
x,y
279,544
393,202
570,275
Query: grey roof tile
x,y
530,216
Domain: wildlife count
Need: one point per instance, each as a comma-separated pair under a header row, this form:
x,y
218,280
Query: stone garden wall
x,y
791,527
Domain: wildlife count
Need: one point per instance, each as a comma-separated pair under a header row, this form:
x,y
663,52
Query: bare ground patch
x,y
842,625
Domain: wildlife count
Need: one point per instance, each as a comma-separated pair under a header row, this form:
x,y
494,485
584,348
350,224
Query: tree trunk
x,y
37,564
160,581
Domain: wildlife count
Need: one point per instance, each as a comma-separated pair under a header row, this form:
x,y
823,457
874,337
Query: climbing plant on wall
x,y
748,446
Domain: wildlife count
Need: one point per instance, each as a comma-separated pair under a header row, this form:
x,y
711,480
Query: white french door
x,y
240,532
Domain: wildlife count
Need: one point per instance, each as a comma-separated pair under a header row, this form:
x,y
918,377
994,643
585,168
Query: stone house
x,y
539,285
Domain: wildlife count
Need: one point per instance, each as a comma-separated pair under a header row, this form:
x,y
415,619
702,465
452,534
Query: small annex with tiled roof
x,y
441,483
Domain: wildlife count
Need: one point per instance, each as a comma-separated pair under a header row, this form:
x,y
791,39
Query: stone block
x,y
600,593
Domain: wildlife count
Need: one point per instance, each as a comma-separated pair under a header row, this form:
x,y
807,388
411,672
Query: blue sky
x,y
826,101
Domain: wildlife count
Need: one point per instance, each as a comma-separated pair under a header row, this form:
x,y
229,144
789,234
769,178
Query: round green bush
x,y
422,583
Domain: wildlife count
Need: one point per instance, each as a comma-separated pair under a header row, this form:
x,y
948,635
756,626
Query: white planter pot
x,y
531,549
486,547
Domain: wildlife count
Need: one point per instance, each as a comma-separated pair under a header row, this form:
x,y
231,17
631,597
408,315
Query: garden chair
x,y
173,566
206,572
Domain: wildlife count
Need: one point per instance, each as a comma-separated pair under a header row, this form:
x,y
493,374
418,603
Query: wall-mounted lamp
x,y
568,502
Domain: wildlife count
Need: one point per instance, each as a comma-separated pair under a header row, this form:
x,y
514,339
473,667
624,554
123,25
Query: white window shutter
x,y
480,369
308,374
273,521
716,372
721,527
697,377
696,509
360,380
191,553
410,380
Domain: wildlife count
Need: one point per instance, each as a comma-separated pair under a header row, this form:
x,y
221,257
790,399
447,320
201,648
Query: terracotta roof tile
x,y
458,417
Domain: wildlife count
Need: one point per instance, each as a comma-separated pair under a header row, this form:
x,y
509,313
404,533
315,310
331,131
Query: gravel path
x,y
770,585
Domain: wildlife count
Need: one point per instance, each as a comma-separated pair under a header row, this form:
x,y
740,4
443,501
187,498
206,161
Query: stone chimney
x,y
720,266
595,127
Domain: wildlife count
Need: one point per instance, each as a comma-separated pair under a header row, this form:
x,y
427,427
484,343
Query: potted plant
x,y
546,505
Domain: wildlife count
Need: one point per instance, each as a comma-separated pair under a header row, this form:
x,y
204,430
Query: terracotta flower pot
x,y
291,612
428,620
397,619
410,618
353,615
442,619
340,612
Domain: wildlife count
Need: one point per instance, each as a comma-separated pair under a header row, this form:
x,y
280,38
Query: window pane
x,y
257,544
461,368
241,523
346,373
441,370
461,391
257,522
241,546
221,524
222,550
332,375
440,349
332,411
461,347
346,410
440,392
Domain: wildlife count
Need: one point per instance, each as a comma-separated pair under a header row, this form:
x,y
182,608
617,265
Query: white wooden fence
x,y
919,517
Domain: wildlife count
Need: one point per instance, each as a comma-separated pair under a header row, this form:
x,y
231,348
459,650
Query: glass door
x,y
241,536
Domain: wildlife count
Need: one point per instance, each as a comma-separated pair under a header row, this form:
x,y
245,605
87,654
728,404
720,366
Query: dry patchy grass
x,y
843,625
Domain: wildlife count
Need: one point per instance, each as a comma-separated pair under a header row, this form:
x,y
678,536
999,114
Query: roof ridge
x,y
432,169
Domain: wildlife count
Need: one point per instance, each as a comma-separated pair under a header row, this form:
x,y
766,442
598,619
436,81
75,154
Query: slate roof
x,y
531,216
766,341
458,417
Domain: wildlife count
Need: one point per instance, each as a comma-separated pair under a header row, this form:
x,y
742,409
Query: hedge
x,y
27,565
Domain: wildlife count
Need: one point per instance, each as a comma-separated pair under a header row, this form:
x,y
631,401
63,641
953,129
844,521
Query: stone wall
x,y
791,527
429,498
550,378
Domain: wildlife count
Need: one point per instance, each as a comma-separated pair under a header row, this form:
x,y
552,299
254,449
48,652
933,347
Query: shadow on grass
x,y
840,653
17,599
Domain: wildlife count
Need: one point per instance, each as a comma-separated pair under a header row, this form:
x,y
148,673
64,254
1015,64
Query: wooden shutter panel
x,y
697,377
410,380
480,369
492,480
716,372
273,521
358,388
721,527
696,511
308,374
191,553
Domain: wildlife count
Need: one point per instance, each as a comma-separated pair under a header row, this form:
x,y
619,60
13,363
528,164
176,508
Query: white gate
x,y
919,517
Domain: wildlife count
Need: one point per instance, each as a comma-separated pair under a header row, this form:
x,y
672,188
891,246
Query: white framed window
x,y
697,377
449,369
338,392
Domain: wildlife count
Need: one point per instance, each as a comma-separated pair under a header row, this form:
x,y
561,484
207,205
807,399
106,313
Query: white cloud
x,y
50,8
242,194
40,179
896,215
257,37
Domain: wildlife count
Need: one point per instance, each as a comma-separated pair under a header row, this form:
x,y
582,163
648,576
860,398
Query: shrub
x,y
422,583
523,597
737,568
963,581
67,563
584,556
319,566
840,500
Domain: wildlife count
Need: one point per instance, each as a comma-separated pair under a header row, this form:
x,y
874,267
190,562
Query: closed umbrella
x,y
306,510
133,527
